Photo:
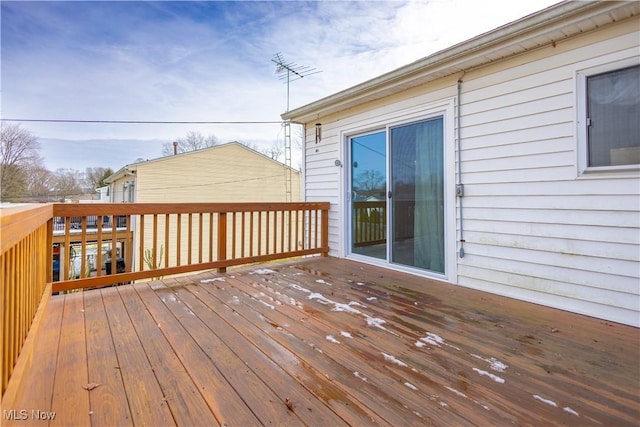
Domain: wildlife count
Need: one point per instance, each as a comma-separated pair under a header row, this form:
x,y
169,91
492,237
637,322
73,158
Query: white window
x,y
609,117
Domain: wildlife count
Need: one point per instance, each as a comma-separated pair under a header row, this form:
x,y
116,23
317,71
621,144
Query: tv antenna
x,y
289,71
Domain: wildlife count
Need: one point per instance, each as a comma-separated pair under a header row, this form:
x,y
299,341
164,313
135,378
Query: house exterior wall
x,y
228,173
535,226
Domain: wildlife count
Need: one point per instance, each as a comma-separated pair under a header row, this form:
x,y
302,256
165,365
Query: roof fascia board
x,y
456,58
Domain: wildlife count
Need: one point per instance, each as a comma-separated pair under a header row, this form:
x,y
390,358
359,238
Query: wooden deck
x,y
323,342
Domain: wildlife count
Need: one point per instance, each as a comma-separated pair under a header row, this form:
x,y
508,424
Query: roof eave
x,y
460,57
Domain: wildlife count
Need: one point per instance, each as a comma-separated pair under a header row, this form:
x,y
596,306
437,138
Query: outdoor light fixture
x,y
318,132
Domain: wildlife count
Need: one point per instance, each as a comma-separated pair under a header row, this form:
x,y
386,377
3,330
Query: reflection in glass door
x,y
368,195
417,188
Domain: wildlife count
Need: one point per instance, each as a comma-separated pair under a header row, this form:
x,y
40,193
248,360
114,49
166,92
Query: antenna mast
x,y
288,72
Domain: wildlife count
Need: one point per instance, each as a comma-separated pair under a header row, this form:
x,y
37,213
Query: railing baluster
x,y
154,242
275,232
266,233
210,236
83,245
282,233
99,247
233,235
178,239
251,235
242,232
222,239
167,220
259,233
200,225
141,230
317,230
189,238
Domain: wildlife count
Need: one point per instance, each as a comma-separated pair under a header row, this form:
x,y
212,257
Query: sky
x,y
208,61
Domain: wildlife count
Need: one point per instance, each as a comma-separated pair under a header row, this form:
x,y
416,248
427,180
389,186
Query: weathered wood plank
x,y
230,350
221,397
109,405
323,333
147,402
305,406
70,399
37,389
183,397
525,343
332,383
254,391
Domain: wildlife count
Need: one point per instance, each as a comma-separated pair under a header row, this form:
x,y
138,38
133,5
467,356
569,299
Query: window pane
x,y
368,189
613,112
417,179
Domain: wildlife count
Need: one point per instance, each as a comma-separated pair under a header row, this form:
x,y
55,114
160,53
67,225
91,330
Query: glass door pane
x,y
417,203
368,195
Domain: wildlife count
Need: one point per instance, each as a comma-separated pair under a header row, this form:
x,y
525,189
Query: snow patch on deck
x,y
262,271
332,339
392,359
570,411
545,401
215,279
490,375
359,375
494,363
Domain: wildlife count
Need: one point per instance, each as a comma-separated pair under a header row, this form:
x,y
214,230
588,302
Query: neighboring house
x,y
226,173
103,194
510,161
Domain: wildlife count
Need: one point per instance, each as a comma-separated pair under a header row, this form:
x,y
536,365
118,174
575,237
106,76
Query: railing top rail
x,y
18,222
66,209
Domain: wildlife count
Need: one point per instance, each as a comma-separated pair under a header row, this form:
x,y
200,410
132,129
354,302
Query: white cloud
x,y
211,61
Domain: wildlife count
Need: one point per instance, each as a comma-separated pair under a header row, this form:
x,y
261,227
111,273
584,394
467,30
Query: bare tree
x,y
39,182
18,150
67,182
369,182
192,141
275,151
94,177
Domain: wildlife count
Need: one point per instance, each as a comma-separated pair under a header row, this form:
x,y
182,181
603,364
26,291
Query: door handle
x,y
389,194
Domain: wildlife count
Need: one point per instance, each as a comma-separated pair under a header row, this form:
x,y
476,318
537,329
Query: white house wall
x,y
535,227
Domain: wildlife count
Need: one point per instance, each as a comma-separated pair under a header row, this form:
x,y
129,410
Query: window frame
x,y
581,116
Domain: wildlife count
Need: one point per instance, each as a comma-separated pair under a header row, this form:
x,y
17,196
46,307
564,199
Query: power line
x,y
144,122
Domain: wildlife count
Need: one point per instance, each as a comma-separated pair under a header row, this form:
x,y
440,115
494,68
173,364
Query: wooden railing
x,y
152,240
25,270
370,223
148,241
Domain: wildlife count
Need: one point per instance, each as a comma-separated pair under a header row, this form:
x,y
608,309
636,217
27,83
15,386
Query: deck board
x,y
223,401
70,401
345,343
108,401
183,397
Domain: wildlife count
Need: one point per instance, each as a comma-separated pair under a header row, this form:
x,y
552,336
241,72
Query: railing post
x,y
325,232
222,240
49,265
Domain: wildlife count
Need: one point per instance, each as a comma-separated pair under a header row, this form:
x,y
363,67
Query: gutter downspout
x,y
459,185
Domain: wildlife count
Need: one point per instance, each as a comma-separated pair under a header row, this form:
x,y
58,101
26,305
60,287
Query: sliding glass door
x,y
417,189
368,195
399,217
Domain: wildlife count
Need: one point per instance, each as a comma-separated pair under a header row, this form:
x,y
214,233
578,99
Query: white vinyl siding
x,y
534,230
535,227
